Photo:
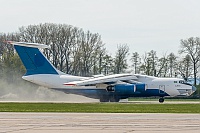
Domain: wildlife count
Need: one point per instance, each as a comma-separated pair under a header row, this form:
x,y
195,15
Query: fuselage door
x,y
161,89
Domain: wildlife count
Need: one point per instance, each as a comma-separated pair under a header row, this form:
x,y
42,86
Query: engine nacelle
x,y
122,89
140,87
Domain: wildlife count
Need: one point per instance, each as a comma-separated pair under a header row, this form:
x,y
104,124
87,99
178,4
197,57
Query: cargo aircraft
x,y
109,88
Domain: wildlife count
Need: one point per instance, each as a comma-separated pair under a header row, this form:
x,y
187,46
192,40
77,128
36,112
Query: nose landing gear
x,y
161,100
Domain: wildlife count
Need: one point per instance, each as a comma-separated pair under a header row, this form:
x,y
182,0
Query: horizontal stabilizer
x,y
26,44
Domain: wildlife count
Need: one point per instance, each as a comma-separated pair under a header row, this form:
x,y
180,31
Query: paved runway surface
x,y
98,123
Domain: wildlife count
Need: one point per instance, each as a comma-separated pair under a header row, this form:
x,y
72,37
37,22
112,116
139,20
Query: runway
x,y
99,122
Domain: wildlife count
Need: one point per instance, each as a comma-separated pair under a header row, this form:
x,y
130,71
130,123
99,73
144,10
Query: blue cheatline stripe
x,y
34,61
97,93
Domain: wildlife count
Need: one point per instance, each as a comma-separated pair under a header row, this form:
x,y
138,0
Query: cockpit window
x,y
181,81
184,82
175,81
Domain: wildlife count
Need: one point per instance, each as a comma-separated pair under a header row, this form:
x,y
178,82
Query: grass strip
x,y
100,107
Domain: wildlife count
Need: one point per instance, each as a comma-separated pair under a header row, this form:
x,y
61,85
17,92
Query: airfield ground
x,y
99,122
124,117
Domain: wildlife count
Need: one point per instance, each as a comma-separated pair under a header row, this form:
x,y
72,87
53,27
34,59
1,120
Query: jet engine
x,y
121,89
140,88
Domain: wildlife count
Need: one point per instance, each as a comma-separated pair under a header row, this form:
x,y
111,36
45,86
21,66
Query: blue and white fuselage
x,y
105,88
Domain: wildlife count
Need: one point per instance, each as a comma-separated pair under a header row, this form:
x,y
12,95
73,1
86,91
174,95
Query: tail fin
x,y
33,59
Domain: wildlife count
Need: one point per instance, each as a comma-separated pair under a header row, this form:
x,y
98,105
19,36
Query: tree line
x,y
72,50
186,64
78,52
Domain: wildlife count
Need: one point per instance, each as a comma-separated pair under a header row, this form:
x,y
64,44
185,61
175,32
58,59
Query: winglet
x,y
26,44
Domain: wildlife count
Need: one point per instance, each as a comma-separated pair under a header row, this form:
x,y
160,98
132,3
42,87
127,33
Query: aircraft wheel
x,y
161,100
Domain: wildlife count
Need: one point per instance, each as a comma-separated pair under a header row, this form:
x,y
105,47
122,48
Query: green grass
x,y
100,107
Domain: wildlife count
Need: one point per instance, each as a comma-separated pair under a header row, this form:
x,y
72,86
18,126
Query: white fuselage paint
x,y
170,85
53,80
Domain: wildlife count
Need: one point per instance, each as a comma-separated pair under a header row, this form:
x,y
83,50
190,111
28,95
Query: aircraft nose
x,y
194,88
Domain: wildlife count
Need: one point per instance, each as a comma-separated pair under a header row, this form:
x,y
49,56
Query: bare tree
x,y
153,60
108,65
149,63
135,58
172,59
185,67
191,47
162,66
120,58
10,65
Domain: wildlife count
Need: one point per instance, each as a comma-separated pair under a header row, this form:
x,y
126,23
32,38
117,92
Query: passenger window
x,y
175,81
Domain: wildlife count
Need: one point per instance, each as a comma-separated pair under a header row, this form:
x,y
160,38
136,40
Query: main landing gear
x,y
109,99
161,100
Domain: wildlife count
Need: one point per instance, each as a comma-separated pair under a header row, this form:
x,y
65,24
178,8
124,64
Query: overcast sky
x,y
142,24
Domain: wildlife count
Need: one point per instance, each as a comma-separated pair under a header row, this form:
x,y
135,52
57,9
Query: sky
x,y
143,25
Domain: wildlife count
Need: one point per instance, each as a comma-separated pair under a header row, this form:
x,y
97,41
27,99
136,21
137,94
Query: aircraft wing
x,y
110,79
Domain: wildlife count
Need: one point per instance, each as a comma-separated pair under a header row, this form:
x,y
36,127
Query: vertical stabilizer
x,y
33,59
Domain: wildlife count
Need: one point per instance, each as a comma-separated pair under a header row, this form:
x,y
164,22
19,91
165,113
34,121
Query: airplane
x,y
110,88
